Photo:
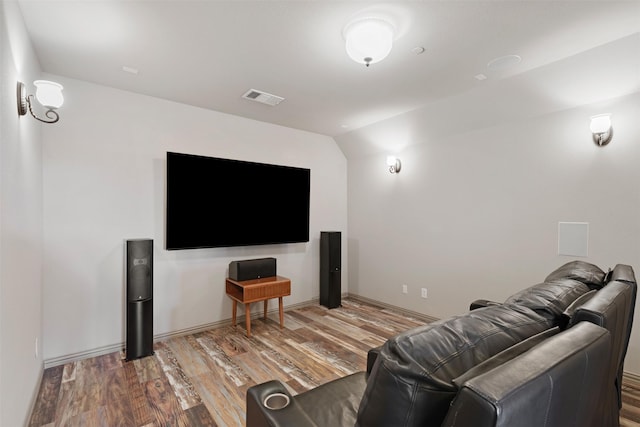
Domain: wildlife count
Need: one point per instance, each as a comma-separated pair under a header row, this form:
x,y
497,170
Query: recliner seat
x,y
411,381
415,376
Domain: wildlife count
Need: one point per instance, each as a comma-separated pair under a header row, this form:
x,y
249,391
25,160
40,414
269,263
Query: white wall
x,y
104,178
20,226
474,214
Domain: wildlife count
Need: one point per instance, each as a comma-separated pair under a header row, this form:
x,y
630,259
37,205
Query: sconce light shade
x,y
394,164
369,40
601,129
49,94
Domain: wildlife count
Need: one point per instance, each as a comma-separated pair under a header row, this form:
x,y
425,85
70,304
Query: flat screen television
x,y
213,202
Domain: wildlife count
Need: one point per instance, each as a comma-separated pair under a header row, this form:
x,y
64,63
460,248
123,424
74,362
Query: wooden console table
x,y
248,291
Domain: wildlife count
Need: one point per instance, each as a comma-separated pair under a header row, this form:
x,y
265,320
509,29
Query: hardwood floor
x,y
201,379
630,413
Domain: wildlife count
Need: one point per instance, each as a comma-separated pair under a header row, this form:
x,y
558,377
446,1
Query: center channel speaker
x,y
139,279
250,269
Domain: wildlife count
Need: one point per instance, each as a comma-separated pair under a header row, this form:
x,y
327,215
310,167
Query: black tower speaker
x,y
330,268
139,298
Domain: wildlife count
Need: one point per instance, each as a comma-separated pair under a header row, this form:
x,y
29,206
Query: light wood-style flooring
x,y
201,379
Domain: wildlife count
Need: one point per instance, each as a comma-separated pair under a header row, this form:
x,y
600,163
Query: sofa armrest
x,y
480,303
258,415
372,356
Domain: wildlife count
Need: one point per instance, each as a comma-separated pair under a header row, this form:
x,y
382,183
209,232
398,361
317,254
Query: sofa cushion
x,y
589,274
551,298
411,381
336,402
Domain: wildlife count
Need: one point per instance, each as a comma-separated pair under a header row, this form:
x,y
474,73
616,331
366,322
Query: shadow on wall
x,y
353,283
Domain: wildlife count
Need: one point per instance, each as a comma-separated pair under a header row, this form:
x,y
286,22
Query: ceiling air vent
x,y
263,97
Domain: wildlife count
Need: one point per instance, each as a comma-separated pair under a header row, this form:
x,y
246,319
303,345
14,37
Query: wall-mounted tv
x,y
214,202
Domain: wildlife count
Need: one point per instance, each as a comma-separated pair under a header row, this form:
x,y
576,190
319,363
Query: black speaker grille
x,y
250,269
139,270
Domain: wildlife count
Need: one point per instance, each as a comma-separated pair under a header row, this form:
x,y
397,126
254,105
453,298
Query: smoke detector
x,y
263,97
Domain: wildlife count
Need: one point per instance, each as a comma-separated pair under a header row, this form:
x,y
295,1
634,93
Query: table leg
x,y
265,309
247,315
281,309
234,311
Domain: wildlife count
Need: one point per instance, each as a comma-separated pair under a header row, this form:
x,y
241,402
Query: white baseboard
x,y
74,357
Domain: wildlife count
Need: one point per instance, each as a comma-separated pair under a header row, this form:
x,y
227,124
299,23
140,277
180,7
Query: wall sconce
x,y
369,40
49,94
601,129
394,164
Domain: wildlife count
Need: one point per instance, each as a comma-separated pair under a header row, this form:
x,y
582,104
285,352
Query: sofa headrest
x,y
551,298
411,381
615,299
621,273
589,274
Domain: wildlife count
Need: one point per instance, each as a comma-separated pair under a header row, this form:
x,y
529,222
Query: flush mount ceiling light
x,y
369,40
601,129
504,62
48,94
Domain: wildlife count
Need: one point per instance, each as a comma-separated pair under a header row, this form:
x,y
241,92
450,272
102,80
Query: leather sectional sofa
x,y
549,355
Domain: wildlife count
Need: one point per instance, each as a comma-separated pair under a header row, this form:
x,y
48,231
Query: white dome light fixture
x,y
369,40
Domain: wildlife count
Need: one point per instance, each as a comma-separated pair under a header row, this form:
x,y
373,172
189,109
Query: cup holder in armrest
x,y
276,401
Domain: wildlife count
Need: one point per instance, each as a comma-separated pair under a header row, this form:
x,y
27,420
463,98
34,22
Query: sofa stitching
x,y
414,394
548,406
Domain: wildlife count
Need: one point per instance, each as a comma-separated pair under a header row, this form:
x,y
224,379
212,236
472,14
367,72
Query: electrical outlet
x,y
405,290
424,293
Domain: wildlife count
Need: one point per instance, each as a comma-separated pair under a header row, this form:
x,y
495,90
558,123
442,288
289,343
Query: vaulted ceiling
x,y
209,53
